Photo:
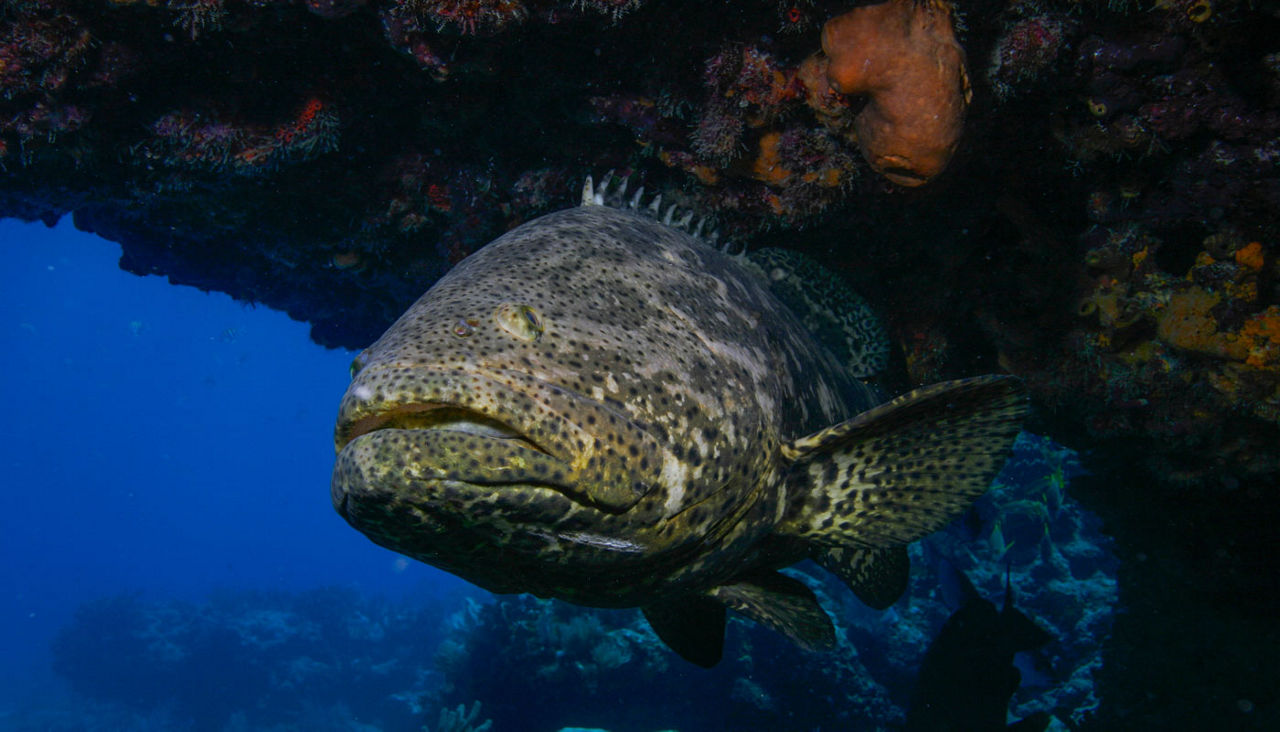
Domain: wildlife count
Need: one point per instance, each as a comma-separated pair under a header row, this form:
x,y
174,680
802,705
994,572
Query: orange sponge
x,y
904,56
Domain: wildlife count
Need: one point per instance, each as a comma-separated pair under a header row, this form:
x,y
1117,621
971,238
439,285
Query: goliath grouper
x,y
602,408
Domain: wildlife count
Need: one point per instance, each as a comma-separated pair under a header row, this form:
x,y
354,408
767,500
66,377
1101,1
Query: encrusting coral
x,y
904,56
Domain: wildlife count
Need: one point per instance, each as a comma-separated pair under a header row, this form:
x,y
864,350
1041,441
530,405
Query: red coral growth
x,y
195,16
796,17
314,132
614,8
215,142
747,88
405,31
38,54
1024,51
471,17
189,139
904,56
334,9
438,197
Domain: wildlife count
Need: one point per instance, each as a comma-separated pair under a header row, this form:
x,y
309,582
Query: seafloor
x,y
1098,214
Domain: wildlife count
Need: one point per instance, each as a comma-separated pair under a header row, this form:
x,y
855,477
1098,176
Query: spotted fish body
x,y
601,408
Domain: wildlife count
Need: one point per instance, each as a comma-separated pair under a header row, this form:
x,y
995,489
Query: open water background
x,y
159,439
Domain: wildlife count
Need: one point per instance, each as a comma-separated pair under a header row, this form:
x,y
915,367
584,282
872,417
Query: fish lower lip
x,y
461,453
406,486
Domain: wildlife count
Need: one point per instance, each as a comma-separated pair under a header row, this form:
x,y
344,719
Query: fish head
x,y
511,428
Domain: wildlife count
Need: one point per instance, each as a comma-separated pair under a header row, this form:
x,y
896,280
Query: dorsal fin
x,y
904,469
611,192
836,315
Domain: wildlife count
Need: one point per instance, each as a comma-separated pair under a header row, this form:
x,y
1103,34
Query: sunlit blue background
x,y
160,439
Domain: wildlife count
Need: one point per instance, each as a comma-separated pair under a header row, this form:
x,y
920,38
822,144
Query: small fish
x,y
601,407
998,544
967,677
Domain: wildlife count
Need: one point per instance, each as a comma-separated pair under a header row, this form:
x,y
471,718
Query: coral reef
x,y
1061,567
461,719
253,660
606,669
1175,356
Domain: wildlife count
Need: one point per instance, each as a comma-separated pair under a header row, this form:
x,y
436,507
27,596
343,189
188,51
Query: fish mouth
x,y
446,417
444,442
480,428
465,402
445,464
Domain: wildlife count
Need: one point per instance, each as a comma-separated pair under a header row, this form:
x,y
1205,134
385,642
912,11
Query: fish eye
x,y
522,321
357,364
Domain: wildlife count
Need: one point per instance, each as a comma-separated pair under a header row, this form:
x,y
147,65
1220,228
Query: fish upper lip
x,y
362,413
440,425
442,416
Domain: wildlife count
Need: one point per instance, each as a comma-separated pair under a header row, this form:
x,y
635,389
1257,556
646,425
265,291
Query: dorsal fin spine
x,y
611,191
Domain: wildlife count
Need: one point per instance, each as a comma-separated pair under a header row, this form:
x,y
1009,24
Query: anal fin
x,y
690,625
782,603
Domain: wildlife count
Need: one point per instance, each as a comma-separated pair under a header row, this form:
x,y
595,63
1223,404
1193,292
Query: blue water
x,y
160,439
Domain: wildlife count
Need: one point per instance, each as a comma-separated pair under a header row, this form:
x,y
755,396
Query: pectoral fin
x,y
902,470
782,603
691,625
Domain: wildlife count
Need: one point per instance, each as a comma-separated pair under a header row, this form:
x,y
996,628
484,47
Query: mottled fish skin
x,y
592,407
